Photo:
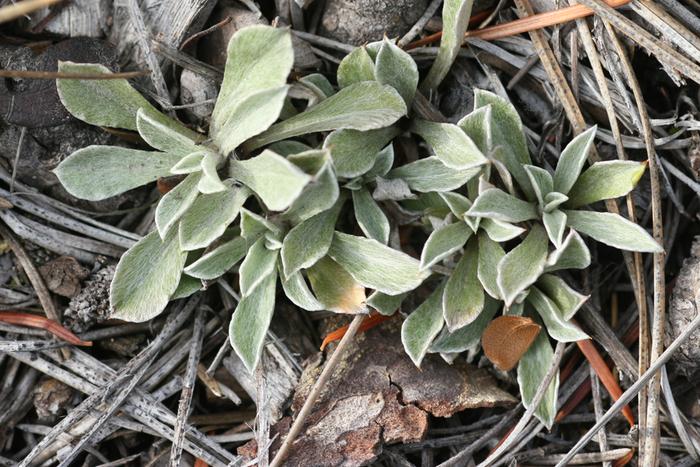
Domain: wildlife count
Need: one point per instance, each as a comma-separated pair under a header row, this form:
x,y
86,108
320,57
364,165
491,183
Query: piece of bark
x,y
63,276
52,398
377,396
77,18
682,309
360,21
91,305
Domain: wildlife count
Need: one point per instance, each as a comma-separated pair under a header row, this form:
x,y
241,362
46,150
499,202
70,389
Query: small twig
x,y
209,30
632,391
39,322
22,133
598,409
34,74
10,12
530,412
420,24
183,408
326,374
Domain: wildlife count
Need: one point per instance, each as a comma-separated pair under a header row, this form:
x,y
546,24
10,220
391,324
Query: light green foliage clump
x,y
278,191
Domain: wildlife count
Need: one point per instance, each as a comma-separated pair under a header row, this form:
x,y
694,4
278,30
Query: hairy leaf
x,y
522,266
450,144
553,200
555,223
495,203
210,182
572,159
567,300
397,69
145,278
467,336
319,195
422,326
370,216
165,134
99,172
250,321
443,242
362,106
192,162
186,287
477,125
216,262
490,254
457,203
309,241
382,164
557,326
108,102
375,265
572,254
430,174
209,216
531,371
355,152
254,226
455,19
273,178
296,290
500,231
507,338
258,264
259,58
463,299
385,304
605,180
612,229
175,202
335,288
541,181
357,66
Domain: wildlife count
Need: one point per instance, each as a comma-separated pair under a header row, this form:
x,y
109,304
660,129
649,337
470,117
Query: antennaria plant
x,y
279,192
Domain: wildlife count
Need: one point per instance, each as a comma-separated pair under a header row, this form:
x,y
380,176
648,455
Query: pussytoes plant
x,y
266,194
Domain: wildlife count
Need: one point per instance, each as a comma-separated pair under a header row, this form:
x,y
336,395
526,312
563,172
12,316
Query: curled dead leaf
x,y
507,339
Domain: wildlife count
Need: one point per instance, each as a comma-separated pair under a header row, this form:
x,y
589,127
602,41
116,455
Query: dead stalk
x,y
326,374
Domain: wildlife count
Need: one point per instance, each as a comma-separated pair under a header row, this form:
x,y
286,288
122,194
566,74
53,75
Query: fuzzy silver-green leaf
x,y
612,229
422,326
523,265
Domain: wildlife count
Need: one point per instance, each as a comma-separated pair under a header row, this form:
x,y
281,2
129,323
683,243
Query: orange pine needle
x,y
200,463
604,374
374,319
40,322
530,23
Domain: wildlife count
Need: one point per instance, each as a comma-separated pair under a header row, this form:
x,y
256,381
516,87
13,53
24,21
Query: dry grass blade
x,y
39,322
369,322
507,339
10,12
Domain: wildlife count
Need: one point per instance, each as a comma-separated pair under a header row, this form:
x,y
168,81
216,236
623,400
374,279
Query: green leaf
x,y
145,278
457,203
430,174
273,178
165,134
309,241
612,229
335,288
99,172
468,336
296,290
477,125
357,66
382,164
207,218
557,326
216,262
289,147
555,224
422,326
508,134
186,287
319,195
523,265
355,152
397,69
250,322
320,82
572,159
250,117
541,182
362,106
259,58
190,163
107,102
210,182
370,216
567,300
553,200
385,304
443,242
310,161
490,254
463,299
572,254
175,202
258,264
605,180
495,203
532,369
254,226
450,144
376,266
500,231
455,19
